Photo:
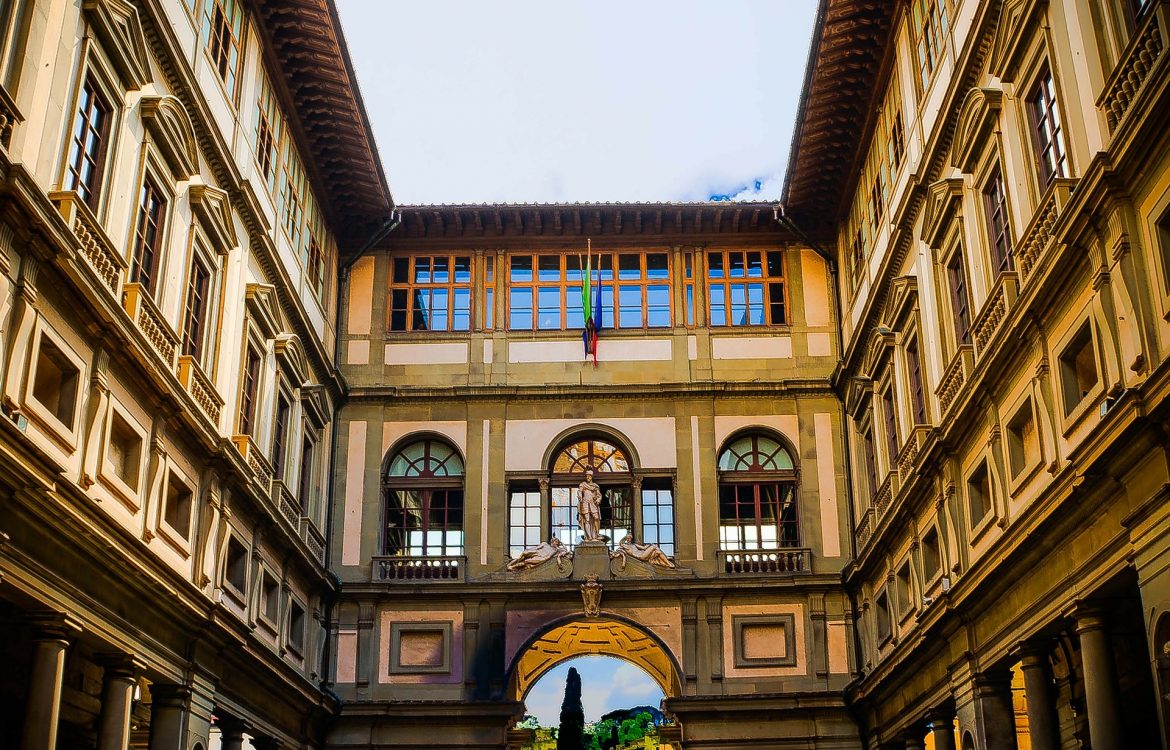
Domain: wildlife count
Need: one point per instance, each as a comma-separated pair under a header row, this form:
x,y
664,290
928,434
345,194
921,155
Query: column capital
x,y
993,682
1033,651
118,665
940,716
170,696
54,626
231,728
1089,617
265,743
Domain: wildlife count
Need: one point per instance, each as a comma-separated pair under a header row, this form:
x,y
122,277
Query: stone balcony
x,y
401,569
765,562
1143,54
141,308
96,247
200,387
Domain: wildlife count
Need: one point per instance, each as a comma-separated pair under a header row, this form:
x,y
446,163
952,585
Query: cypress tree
x,y
571,735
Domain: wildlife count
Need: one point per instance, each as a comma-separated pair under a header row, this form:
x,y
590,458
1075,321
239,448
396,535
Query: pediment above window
x,y
977,120
170,128
210,205
880,345
943,203
901,302
260,301
290,357
116,25
1013,35
316,404
857,395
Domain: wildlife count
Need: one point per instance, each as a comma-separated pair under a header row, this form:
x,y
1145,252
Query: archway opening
x,y
620,701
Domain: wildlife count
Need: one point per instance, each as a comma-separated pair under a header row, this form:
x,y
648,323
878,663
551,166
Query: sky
x,y
606,683
580,100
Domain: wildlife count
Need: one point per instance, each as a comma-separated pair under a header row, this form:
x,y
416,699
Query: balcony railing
x,y
254,458
9,116
313,539
865,528
409,569
881,498
766,562
954,377
1037,239
96,247
1141,55
149,319
909,454
200,387
284,500
995,310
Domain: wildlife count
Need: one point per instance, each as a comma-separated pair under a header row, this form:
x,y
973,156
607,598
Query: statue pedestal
x,y
591,557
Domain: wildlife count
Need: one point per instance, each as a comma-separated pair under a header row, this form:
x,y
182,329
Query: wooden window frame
x,y
918,408
198,307
929,29
999,225
959,295
1047,125
890,423
767,279
407,291
149,237
250,378
430,488
281,431
91,99
224,29
269,132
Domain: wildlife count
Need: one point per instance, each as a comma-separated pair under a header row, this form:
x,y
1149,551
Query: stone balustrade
x,y
1143,53
145,313
954,377
96,247
200,387
410,569
1036,241
995,309
766,562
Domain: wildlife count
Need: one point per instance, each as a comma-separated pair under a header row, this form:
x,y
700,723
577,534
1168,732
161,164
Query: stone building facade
x,y
708,419
171,217
1001,226
282,462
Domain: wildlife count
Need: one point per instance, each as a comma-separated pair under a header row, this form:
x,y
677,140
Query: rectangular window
x,y
658,515
1022,441
88,144
177,512
489,292
905,592
546,291
269,128
998,226
960,302
280,435
56,382
689,286
870,459
124,451
890,415
315,267
929,28
195,314
882,613
424,522
524,529
293,193
1048,130
269,597
296,627
755,516
148,236
931,554
236,565
250,390
746,288
431,293
1078,368
978,494
223,30
306,479
914,375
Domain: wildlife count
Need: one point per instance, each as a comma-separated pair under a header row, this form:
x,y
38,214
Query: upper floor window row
x,y
223,36
546,291
929,28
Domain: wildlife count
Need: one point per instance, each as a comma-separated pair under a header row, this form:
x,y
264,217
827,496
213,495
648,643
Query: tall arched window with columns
x,y
757,495
423,490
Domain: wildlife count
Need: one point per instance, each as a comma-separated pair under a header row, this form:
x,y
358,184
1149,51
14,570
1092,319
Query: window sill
x,y
174,539
981,526
54,428
1079,413
124,493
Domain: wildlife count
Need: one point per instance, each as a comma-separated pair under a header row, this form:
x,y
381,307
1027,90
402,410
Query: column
x,y
942,729
994,695
117,701
44,689
168,714
231,733
1043,724
914,739
265,743
1101,692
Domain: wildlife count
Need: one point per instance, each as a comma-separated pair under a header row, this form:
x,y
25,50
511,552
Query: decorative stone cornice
x,y
170,126
117,27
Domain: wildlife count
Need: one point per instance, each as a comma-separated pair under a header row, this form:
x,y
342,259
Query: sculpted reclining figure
x,y
647,553
540,554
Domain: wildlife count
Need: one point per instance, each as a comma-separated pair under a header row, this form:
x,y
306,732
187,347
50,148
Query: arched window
x,y
757,495
423,489
611,470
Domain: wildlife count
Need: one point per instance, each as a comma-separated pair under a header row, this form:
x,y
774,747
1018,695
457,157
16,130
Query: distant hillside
x,y
621,714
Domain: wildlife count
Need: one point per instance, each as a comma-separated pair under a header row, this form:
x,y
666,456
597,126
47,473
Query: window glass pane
x,y
422,270
690,295
775,264
549,267
489,308
520,317
755,266
776,303
549,300
656,266
631,306
629,266
736,268
756,304
607,307
574,268
658,306
440,270
718,293
439,307
461,321
463,270
738,304
401,270
575,316
521,268
715,265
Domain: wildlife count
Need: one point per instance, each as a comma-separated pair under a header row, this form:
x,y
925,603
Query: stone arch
x,y
590,430
607,635
1161,646
415,437
764,431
